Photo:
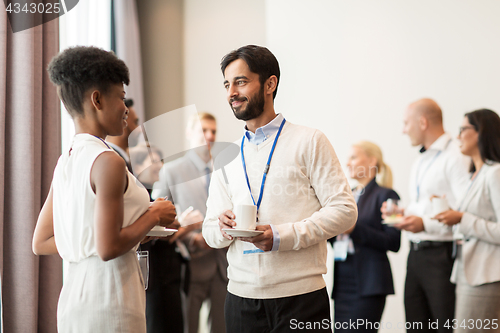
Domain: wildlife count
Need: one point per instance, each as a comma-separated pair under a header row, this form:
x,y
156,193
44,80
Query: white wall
x,y
211,30
350,68
161,29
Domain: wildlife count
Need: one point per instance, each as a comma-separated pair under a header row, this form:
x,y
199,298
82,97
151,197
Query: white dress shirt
x,y
441,170
264,132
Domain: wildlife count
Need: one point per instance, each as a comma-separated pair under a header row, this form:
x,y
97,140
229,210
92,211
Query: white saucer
x,y
392,220
159,231
243,232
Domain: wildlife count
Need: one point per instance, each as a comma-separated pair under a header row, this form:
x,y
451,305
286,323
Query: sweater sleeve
x,y
385,238
338,212
475,226
218,201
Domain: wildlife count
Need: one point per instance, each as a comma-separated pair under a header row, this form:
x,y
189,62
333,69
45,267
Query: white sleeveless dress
x,y
97,296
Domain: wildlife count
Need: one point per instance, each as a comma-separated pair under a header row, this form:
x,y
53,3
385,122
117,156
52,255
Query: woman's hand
x,y
449,217
190,217
164,210
386,214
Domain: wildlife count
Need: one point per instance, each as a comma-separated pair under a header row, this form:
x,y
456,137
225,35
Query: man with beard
x,y
292,174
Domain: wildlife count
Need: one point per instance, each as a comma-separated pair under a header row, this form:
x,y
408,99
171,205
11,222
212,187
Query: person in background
x,y
362,273
120,143
301,196
439,170
146,163
95,214
477,228
164,306
185,181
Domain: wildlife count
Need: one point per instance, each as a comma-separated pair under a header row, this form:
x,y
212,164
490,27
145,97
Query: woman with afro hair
x,y
96,213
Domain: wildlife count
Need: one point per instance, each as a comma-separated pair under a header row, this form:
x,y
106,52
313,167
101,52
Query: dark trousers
x,y
350,305
429,294
365,311
304,313
163,296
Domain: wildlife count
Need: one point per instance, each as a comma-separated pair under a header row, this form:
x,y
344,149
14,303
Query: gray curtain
x,y
29,148
128,48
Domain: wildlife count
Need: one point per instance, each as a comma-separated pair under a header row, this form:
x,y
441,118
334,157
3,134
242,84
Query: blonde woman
x,y
362,274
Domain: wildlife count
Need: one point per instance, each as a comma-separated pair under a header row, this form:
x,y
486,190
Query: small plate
x,y
243,232
159,231
393,220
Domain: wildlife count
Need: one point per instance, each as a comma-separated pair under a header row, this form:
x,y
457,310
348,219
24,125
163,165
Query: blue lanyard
x,y
266,169
102,141
426,169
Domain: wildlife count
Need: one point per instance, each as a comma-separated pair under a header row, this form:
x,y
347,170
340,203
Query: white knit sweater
x,y
306,197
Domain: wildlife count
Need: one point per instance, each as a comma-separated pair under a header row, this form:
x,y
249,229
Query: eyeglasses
x,y
463,128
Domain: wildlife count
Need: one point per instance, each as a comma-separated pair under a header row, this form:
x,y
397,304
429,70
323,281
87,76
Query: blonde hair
x,y
384,172
199,117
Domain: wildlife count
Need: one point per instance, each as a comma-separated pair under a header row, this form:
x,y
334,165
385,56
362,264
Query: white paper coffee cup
x,y
439,205
246,217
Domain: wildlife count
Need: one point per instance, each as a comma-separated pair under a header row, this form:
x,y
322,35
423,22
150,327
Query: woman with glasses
x,y
476,225
95,214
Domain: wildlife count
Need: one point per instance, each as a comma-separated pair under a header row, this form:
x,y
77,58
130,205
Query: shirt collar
x,y
440,144
197,161
264,132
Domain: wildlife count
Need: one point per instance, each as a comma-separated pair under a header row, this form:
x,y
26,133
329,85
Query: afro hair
x,y
76,70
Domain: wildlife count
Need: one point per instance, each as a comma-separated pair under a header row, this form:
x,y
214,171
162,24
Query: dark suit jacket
x,y
372,240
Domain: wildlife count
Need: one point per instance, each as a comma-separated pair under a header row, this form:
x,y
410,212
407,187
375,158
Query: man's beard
x,y
255,107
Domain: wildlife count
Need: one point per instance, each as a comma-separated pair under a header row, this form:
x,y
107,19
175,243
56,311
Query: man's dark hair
x,y
78,69
129,102
487,124
260,61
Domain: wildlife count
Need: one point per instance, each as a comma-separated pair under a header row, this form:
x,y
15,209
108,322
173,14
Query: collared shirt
x,y
262,134
204,168
198,162
441,175
182,180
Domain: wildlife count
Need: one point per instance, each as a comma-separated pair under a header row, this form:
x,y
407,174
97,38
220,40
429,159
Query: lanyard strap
x,y
102,141
426,169
266,169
